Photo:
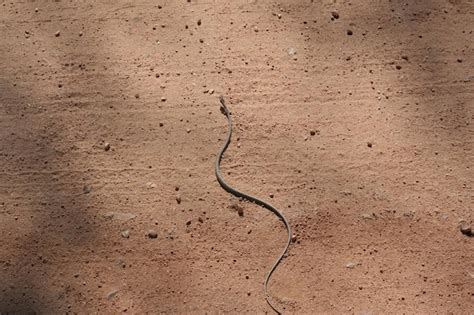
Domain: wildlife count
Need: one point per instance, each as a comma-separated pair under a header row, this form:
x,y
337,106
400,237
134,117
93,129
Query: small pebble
x,y
178,199
211,91
188,130
36,9
459,60
398,67
293,238
125,233
107,146
112,294
351,264
81,33
57,33
137,95
199,22
369,144
163,99
152,234
349,32
335,15
271,196
312,132
466,230
238,208
87,189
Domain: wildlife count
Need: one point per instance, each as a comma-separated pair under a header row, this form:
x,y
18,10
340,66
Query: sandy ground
x,y
359,128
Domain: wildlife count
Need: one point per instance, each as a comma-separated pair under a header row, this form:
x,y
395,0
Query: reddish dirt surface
x,y
365,142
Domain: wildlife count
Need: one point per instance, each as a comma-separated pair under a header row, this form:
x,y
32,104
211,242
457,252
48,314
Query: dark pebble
x,y
152,234
466,230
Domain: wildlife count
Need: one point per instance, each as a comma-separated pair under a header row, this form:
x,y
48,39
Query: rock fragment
x,y
125,233
152,234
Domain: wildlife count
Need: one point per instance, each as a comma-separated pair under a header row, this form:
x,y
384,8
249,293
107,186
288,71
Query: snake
x,y
252,199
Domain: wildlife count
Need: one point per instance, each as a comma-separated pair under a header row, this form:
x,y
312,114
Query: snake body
x,y
253,199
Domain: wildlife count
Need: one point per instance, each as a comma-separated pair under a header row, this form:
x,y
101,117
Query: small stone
x,y
161,124
271,196
152,234
57,33
369,144
112,294
405,57
398,67
76,275
293,238
211,91
351,264
137,95
466,230
199,22
200,220
106,146
367,216
335,14
150,185
188,130
36,9
80,34
125,233
459,60
178,199
291,51
157,75
163,99
312,132
86,189
349,32
279,15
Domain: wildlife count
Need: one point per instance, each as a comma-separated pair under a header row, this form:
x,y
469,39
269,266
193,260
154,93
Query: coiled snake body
x,y
251,198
